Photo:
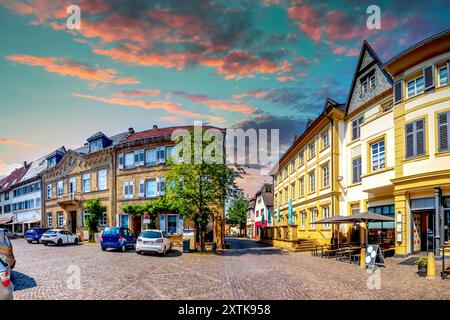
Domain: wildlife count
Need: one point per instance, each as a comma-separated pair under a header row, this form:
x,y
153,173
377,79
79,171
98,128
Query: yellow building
x,y
422,150
306,179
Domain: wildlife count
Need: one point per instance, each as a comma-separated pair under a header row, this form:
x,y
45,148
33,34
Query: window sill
x,y
442,154
418,158
324,188
354,141
377,171
354,184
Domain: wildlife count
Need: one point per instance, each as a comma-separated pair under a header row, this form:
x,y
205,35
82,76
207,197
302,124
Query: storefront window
x,y
382,232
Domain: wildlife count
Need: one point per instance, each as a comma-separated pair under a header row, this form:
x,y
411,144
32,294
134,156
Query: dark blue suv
x,y
34,234
117,238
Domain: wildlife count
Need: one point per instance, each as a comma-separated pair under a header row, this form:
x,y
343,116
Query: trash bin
x,y
214,247
186,245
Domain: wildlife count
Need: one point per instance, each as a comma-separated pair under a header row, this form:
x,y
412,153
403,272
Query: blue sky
x,y
263,64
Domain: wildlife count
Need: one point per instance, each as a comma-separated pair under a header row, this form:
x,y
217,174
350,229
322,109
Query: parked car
x,y
34,234
6,285
6,250
59,237
153,241
117,238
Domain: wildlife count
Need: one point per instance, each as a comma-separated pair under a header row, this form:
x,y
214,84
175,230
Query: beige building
x,y
76,177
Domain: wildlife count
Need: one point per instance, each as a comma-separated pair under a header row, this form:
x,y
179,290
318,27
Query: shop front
x,y
383,232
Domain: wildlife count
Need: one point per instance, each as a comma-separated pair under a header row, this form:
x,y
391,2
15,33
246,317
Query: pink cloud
x,y
219,103
340,50
71,68
283,79
170,107
309,21
137,93
353,52
14,142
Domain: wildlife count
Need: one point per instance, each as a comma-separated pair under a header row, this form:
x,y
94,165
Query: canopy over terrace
x,y
364,217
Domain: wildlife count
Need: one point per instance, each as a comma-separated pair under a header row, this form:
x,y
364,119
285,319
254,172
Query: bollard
x,y
362,259
431,266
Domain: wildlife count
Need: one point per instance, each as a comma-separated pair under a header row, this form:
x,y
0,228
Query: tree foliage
x,y
197,189
237,213
151,209
95,212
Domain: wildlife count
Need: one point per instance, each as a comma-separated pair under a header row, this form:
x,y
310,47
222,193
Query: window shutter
x,y
141,189
121,161
355,172
420,137
444,132
428,77
409,140
142,157
162,222
398,94
131,189
136,158
125,190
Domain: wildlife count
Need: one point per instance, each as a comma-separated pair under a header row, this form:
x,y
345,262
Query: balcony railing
x,y
69,198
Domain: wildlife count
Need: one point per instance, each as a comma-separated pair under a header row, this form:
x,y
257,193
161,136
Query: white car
x,y
153,241
58,237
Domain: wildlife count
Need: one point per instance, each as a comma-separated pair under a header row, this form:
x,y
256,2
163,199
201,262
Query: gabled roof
x,y
61,151
13,178
162,132
116,139
98,135
364,48
267,196
38,166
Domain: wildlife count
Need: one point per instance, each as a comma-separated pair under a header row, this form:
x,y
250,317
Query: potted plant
x,y
421,264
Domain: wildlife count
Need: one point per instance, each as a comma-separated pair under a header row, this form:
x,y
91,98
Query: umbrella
x,y
269,218
367,217
290,212
332,220
278,214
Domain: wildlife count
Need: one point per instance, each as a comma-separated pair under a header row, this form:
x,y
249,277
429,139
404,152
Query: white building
x,y
263,210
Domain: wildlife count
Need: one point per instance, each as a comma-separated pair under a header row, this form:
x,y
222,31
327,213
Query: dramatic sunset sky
x,y
251,63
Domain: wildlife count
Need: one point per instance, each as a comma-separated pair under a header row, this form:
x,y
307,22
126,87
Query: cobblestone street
x,y
248,271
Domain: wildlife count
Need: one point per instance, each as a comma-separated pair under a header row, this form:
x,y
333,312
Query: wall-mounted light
x,y
340,178
399,226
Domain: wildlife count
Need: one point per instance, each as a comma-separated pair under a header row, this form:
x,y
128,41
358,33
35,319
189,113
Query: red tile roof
x,y
152,133
13,178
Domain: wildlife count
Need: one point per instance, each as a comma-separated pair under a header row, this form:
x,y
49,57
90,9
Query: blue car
x,y
34,234
117,238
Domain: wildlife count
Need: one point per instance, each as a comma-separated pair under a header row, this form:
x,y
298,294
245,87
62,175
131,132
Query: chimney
x,y
25,164
131,130
155,127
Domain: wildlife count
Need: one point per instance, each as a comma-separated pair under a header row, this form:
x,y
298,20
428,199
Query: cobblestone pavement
x,y
249,271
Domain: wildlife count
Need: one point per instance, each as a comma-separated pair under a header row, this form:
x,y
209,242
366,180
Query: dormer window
x,y
96,145
368,82
51,162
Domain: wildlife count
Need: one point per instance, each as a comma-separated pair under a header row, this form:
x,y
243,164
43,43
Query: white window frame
x,y
128,189
325,139
312,150
49,220
102,180
86,178
60,219
376,158
159,159
49,191
127,164
73,184
313,215
441,84
85,215
416,92
103,220
326,214
60,188
148,190
150,153
312,181
325,175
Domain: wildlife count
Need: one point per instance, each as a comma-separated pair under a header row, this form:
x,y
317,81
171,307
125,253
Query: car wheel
x,y
29,241
103,249
138,252
123,248
45,244
39,240
59,242
75,242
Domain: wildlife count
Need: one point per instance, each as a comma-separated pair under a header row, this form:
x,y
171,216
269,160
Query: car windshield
x,y
51,232
151,234
111,231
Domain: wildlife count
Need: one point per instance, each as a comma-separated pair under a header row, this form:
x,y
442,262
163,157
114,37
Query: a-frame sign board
x,y
373,251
